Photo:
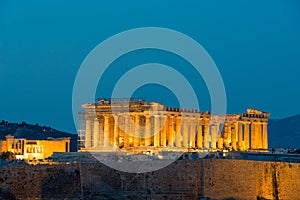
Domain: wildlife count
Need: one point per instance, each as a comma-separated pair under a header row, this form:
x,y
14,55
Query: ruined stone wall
x,y
183,179
179,179
241,179
39,182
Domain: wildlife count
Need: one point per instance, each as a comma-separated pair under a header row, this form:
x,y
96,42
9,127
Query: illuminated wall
x,y
34,149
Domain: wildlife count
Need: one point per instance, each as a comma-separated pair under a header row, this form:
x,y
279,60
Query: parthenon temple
x,y
137,124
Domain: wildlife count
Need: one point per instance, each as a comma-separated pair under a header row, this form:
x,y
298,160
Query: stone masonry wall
x,y
39,182
240,179
183,179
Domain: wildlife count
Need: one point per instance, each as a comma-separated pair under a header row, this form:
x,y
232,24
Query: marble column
x,y
163,133
214,134
185,132
101,131
234,136
246,135
227,134
253,135
178,131
156,129
220,137
126,130
206,133
87,133
192,133
116,130
240,135
111,130
225,131
131,130
265,135
137,131
148,131
220,143
259,135
106,131
121,129
96,133
171,132
199,134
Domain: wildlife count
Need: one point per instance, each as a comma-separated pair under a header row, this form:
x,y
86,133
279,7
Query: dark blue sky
x,y
255,44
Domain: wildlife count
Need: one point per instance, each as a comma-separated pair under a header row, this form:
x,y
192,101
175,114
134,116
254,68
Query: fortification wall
x,y
183,179
40,182
240,179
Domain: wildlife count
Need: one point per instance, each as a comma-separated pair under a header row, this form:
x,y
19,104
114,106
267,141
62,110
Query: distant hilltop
x,y
34,132
284,133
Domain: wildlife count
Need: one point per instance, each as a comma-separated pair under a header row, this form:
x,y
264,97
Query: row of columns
x,y
15,145
174,131
244,135
34,149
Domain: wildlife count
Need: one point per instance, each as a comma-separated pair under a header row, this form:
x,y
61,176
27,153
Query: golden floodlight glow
x,y
157,127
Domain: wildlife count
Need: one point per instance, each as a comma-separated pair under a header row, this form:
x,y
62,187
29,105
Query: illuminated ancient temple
x,y
137,124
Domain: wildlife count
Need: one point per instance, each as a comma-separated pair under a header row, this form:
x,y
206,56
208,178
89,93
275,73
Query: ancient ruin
x,y
26,149
137,124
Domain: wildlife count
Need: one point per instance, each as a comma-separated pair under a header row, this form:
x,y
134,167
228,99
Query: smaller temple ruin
x,y
34,149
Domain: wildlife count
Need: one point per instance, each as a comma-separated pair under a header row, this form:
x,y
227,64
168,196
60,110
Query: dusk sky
x,y
255,44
